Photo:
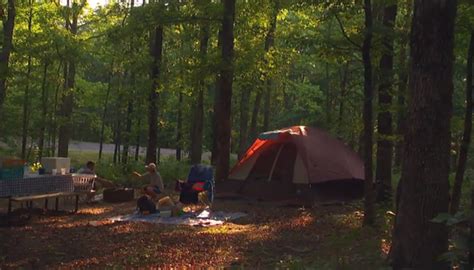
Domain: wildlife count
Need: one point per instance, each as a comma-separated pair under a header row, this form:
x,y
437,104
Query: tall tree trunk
x,y
269,42
104,116
8,25
244,120
156,50
418,242
402,86
198,121
67,101
223,113
26,97
383,175
44,106
179,135
466,138
254,121
369,216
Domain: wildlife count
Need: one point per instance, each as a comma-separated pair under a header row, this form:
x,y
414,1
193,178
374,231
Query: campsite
x,y
236,134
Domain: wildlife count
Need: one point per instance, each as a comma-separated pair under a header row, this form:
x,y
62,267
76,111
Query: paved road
x,y
109,148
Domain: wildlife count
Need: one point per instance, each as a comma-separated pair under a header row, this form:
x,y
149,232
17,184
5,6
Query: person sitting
x,y
152,177
99,181
89,169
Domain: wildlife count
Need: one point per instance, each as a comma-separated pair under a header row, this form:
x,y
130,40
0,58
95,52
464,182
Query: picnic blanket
x,y
204,218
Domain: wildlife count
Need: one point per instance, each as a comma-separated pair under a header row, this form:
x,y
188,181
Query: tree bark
x,y
198,122
383,175
223,113
466,138
369,215
67,100
269,43
137,144
53,120
418,242
44,106
156,50
7,43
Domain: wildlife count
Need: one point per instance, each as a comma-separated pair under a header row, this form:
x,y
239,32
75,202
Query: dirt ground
x,y
270,237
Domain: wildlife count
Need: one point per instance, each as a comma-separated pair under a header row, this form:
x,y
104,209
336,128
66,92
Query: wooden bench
x,y
68,186
29,200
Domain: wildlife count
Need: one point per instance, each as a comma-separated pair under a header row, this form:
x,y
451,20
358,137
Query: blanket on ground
x,y
204,218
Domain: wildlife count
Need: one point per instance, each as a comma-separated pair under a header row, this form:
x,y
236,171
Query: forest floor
x,y
323,237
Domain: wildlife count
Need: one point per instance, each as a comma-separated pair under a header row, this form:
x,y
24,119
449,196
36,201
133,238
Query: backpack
x,y
145,204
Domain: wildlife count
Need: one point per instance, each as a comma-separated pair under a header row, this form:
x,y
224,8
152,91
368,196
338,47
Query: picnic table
x,y
31,188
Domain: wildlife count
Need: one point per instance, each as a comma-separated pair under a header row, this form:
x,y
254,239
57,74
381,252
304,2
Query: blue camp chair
x,y
200,179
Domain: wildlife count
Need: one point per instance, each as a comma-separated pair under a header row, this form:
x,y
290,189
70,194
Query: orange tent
x,y
298,155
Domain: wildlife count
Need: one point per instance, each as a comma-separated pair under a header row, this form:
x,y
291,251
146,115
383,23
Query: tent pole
x,y
274,163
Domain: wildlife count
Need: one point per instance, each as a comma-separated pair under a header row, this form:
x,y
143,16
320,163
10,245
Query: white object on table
x,y
54,171
63,171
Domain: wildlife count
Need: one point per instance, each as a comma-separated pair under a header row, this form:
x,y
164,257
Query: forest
x,y
392,79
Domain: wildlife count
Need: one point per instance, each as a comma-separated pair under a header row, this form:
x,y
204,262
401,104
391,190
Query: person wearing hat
x,y
153,179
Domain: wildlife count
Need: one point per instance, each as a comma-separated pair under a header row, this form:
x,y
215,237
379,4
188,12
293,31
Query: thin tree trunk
x,y
402,86
344,79
156,50
7,45
179,134
214,148
198,122
417,241
383,175
269,43
466,138
223,113
244,120
26,97
104,116
53,124
128,131
137,147
369,216
254,121
67,102
44,105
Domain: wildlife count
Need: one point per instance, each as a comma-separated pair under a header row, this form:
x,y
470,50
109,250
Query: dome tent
x,y
288,159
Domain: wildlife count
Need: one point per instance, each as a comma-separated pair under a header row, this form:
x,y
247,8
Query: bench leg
x,y
77,204
9,205
46,204
56,206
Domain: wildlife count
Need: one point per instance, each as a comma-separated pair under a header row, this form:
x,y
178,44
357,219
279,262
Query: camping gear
x,y
116,195
200,179
59,164
145,205
286,163
165,202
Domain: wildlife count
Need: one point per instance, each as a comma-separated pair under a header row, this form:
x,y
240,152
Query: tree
x,y
156,50
369,215
418,242
7,44
383,174
224,104
466,138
